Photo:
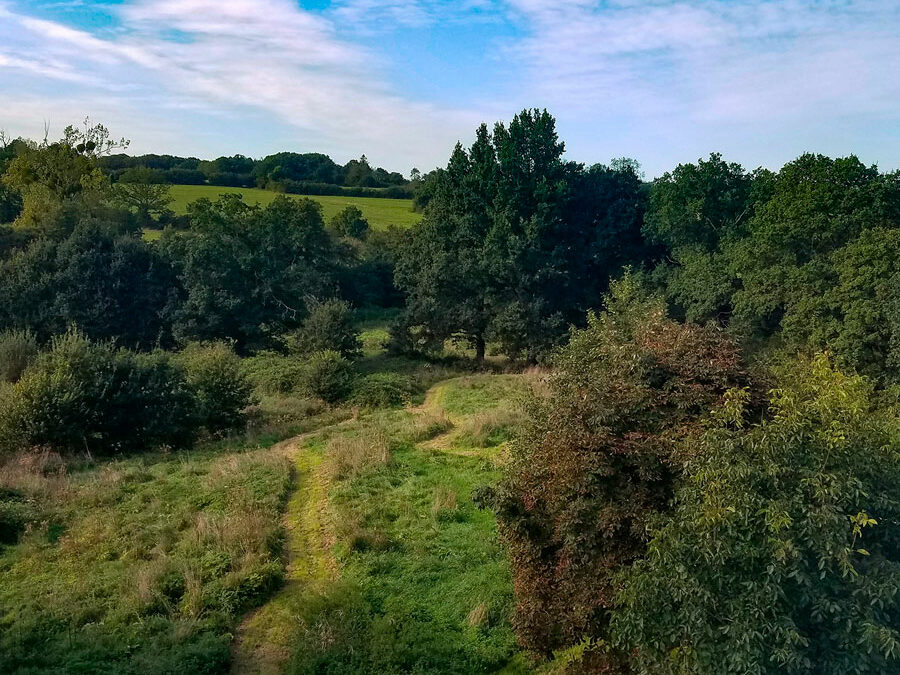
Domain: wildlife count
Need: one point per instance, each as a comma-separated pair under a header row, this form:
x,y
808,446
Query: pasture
x,y
380,213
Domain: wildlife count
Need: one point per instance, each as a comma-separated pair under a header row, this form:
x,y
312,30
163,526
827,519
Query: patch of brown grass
x,y
349,456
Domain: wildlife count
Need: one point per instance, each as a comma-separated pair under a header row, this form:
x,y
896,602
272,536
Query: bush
x,y
88,396
272,373
382,390
782,553
328,376
596,462
221,390
17,349
350,223
328,326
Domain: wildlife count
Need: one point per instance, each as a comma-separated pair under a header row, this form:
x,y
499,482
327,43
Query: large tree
x,y
516,242
246,271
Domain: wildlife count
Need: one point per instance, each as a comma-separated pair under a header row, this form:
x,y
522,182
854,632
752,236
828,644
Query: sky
x,y
401,81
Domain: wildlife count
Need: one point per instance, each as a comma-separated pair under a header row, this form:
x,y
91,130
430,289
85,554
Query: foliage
x,y
382,390
141,191
350,223
246,270
597,461
60,181
781,555
83,396
112,285
221,390
274,373
18,348
328,376
327,326
516,243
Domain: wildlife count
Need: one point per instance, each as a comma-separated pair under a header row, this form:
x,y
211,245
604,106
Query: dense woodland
x,y
706,478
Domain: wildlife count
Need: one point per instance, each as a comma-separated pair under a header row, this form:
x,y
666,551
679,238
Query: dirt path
x,y
262,643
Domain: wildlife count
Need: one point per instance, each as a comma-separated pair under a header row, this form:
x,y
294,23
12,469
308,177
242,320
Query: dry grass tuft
x,y
478,615
429,425
492,427
445,499
349,456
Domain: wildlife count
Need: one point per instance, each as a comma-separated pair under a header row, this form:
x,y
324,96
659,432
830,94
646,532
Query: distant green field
x,y
379,212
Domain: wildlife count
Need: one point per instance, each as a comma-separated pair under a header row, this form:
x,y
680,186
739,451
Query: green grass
x,y
379,212
138,565
424,586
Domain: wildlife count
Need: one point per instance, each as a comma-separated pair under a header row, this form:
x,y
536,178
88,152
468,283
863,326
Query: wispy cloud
x,y
267,55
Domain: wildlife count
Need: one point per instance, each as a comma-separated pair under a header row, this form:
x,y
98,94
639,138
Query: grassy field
x,y
379,212
353,547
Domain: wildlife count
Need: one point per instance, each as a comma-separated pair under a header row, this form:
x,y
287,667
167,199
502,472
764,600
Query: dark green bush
x,y
329,326
350,223
89,396
17,349
221,390
328,376
382,390
15,515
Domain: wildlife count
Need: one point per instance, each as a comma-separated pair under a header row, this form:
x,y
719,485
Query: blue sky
x,y
402,80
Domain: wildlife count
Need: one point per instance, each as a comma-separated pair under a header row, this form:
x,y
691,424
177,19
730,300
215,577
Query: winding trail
x,y
262,642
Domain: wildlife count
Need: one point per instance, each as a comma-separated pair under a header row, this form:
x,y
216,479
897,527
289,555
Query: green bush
x,y
329,326
222,392
781,555
88,396
328,376
382,390
272,373
350,223
17,349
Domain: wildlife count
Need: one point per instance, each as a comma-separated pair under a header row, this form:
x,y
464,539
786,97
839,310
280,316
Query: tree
x,y
516,243
61,182
695,212
350,223
112,285
817,205
246,270
781,555
598,461
327,327
142,191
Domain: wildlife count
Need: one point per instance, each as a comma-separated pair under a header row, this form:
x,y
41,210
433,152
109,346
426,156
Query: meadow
x,y
352,546
380,213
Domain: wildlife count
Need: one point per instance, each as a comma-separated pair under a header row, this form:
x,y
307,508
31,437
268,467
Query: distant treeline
x,y
307,173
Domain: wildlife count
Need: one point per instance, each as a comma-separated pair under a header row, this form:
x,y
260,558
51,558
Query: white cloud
x,y
225,55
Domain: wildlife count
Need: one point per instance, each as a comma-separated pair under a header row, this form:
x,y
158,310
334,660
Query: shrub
x,y
350,223
88,396
328,376
221,390
17,349
382,390
328,326
272,373
782,553
596,462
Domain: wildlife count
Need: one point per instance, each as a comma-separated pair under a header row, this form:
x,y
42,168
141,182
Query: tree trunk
x,y
479,347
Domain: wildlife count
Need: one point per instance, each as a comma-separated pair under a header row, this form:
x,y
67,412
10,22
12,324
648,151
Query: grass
x,y
380,213
424,586
141,564
353,548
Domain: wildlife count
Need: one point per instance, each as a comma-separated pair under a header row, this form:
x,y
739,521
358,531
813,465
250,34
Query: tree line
x,y
284,171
